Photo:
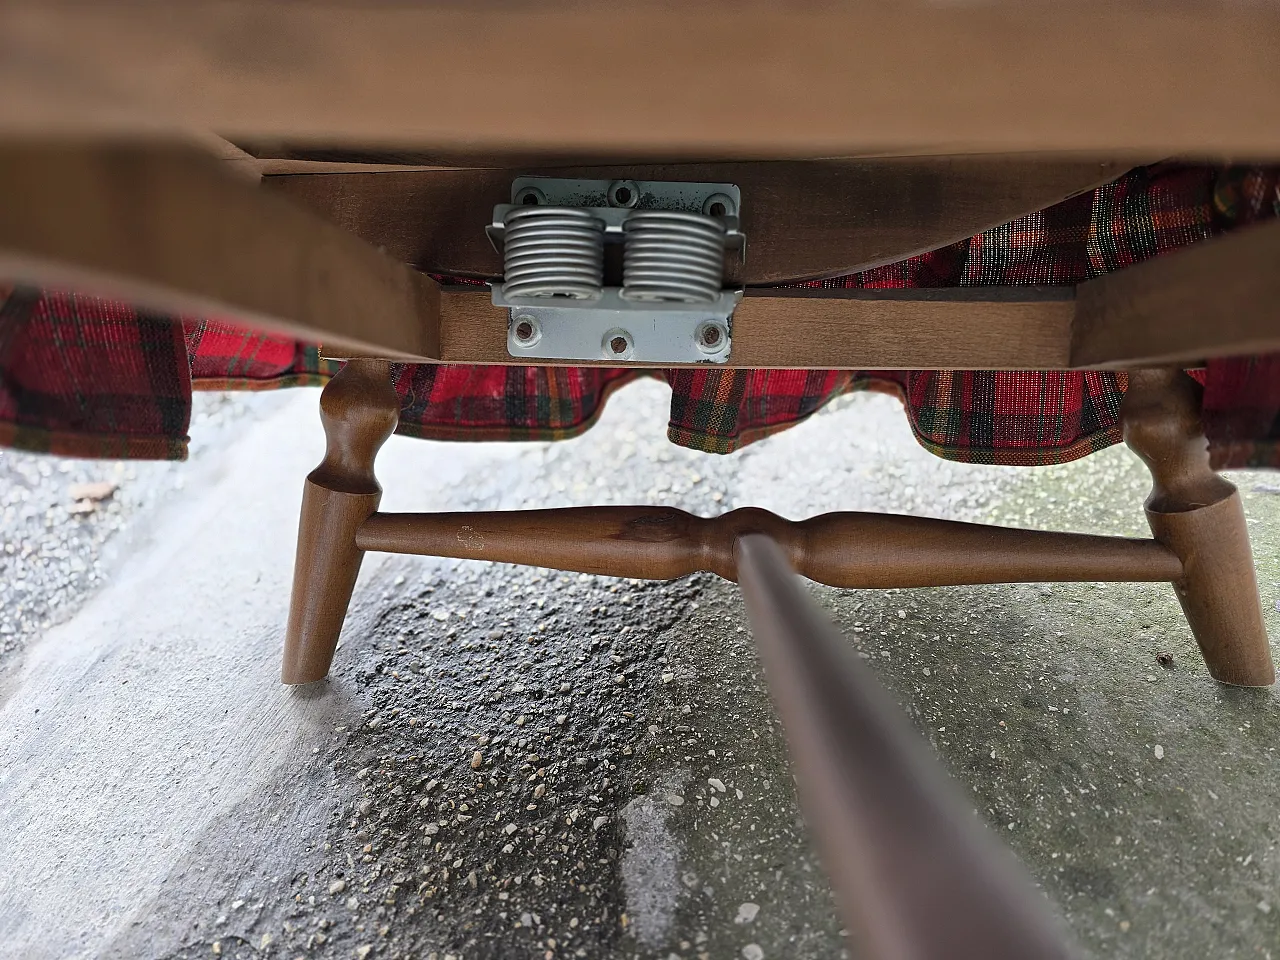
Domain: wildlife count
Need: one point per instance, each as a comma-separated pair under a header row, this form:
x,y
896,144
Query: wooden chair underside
x,y
374,141
171,228
877,804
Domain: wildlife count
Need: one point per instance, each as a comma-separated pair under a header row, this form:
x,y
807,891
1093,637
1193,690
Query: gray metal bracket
x,y
610,327
619,330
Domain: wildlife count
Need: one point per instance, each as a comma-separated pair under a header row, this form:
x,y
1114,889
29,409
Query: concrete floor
x,y
518,763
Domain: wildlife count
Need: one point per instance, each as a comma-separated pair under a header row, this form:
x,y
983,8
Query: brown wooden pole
x,y
166,226
915,874
359,409
839,549
1198,515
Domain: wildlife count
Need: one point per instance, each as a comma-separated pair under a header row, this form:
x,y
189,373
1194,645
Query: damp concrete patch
x,y
650,866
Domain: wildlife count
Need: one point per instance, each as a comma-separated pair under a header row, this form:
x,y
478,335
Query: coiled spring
x,y
672,256
553,252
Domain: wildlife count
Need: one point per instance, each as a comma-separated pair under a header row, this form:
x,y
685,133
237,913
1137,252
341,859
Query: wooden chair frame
x,y
1201,540
170,227
361,174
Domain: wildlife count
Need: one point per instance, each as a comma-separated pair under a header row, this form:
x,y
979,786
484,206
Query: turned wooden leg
x,y
1198,515
359,409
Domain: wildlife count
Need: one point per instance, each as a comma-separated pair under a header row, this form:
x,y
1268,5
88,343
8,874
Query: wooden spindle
x,y
1198,515
359,409
839,549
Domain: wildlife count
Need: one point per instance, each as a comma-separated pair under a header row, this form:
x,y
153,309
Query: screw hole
x,y
622,195
526,332
719,205
529,199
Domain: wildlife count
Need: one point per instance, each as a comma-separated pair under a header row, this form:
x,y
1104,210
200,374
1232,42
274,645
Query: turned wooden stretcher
x,y
371,144
1201,541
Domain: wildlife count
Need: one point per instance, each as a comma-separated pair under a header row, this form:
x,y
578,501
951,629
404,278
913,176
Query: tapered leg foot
x,y
1198,515
359,409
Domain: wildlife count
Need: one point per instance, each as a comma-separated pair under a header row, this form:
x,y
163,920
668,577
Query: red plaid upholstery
x,y
86,378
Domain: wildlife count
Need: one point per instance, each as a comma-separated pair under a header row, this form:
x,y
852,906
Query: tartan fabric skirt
x,y
80,376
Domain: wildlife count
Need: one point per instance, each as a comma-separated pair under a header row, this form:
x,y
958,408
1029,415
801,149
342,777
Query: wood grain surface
x,y
707,78
1198,515
1215,298
839,549
169,228
359,409
969,328
803,219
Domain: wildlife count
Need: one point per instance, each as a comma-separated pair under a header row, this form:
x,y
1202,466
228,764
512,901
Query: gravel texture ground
x,y
521,763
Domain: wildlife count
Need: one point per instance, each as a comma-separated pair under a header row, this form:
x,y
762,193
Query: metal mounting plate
x,y
609,327
598,197
672,333
643,194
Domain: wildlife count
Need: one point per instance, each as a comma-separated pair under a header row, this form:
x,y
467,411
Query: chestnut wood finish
x,y
359,409
1217,298
1098,324
1201,540
1198,515
915,874
170,228
166,226
1187,303
956,328
707,78
803,219
839,549
963,328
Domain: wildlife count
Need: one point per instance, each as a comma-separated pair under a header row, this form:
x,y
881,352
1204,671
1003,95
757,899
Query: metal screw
x,y
711,338
617,344
526,331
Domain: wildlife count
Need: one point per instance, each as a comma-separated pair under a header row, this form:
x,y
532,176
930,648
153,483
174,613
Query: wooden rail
x,y
703,78
167,227
956,328
803,219
839,549
1187,303
914,872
